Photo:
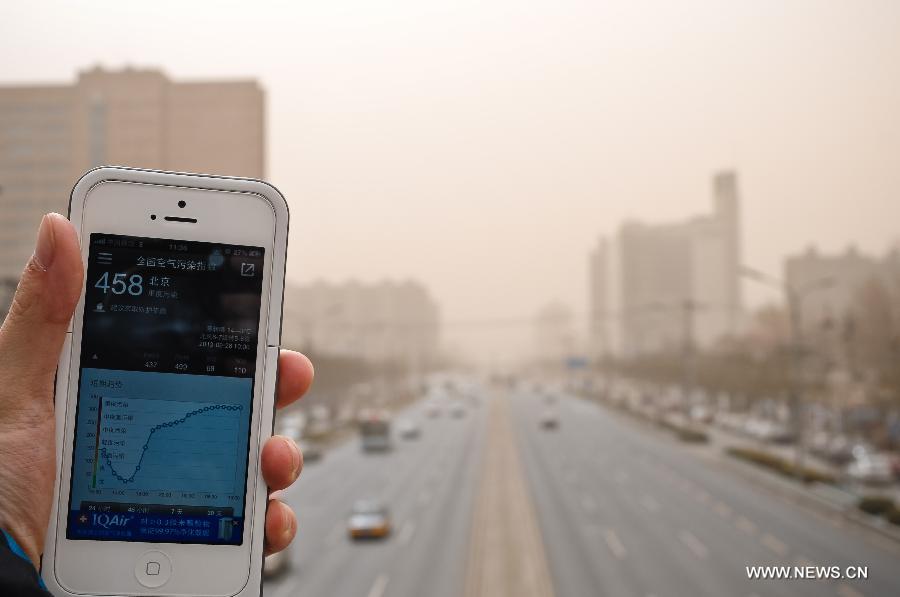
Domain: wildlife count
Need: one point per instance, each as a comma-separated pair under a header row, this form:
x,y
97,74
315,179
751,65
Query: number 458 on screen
x,y
121,283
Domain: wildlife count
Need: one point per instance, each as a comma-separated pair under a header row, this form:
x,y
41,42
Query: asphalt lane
x,y
429,484
626,511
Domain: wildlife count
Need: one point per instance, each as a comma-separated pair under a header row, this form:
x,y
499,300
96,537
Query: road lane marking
x,y
588,503
845,590
694,544
615,544
406,533
774,543
379,586
722,509
745,525
649,504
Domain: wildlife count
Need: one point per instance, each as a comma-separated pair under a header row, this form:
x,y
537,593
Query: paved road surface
x,y
429,484
621,511
626,511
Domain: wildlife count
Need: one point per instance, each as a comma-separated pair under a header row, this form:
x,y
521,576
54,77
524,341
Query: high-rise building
x,y
838,282
665,286
51,134
388,321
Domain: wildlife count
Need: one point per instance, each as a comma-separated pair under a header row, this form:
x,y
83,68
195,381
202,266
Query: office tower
x,y
670,285
50,134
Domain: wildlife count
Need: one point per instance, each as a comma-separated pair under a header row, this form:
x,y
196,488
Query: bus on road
x,y
375,434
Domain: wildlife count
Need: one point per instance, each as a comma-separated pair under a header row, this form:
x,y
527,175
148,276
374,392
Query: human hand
x,y
30,341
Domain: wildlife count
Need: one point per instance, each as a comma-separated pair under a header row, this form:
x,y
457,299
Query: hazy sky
x,y
482,147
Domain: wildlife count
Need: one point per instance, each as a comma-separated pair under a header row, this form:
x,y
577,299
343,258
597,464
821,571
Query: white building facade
x,y
664,287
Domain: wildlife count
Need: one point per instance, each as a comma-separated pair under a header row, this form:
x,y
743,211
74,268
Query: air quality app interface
x,y
165,394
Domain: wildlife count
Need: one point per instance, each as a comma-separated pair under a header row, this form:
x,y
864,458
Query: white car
x,y
768,431
408,429
701,414
312,452
370,519
289,430
871,468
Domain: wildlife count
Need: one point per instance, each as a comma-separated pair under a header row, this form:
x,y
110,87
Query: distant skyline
x,y
482,148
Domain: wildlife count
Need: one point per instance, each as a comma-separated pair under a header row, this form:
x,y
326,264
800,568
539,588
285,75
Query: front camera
x,y
152,216
182,204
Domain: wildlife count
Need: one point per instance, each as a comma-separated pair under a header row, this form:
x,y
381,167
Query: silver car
x,y
369,519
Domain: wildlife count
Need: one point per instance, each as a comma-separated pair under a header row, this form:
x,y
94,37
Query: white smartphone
x,y
165,391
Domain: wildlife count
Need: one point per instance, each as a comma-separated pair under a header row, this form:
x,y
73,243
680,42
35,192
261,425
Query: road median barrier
x,y
893,516
877,505
506,553
880,506
780,465
684,430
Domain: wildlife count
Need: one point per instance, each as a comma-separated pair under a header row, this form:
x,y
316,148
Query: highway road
x,y
429,484
621,510
626,511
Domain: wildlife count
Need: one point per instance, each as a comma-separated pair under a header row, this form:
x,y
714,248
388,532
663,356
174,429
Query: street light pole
x,y
796,373
793,297
689,307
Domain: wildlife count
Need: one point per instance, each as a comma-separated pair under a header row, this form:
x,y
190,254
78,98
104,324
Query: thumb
x,y
32,335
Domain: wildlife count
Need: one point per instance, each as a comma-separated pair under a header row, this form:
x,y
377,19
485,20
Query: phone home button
x,y
153,569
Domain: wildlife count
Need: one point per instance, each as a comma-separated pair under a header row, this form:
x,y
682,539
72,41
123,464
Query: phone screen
x,y
165,391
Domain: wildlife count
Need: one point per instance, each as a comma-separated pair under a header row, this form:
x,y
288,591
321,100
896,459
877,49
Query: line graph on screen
x,y
152,445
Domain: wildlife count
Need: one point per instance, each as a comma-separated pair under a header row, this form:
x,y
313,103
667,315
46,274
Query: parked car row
x,y
767,422
872,468
836,448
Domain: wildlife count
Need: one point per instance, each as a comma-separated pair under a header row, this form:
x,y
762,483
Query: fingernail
x,y
288,526
43,251
295,457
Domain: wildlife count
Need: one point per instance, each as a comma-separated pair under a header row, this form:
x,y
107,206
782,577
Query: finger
x,y
281,526
295,375
281,462
32,335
